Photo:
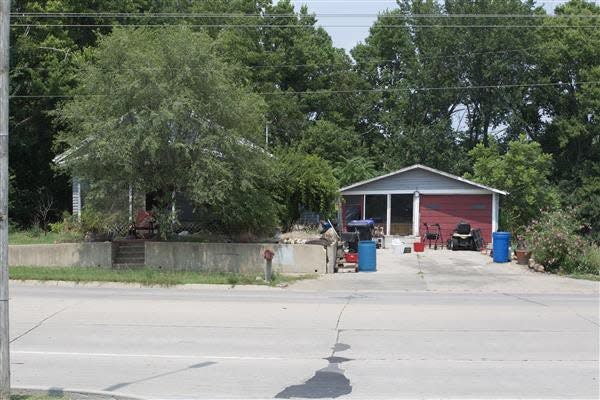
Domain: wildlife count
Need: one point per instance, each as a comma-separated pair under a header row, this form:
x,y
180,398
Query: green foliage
x,y
586,198
42,64
588,262
37,236
68,224
433,146
555,244
523,172
330,142
304,182
146,116
552,239
354,170
175,104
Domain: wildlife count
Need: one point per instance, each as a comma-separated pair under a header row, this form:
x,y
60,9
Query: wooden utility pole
x,y
4,65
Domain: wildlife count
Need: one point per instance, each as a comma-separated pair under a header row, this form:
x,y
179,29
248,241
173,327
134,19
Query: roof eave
x,y
433,170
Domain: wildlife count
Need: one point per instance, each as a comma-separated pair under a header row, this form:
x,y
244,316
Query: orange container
x,y
419,247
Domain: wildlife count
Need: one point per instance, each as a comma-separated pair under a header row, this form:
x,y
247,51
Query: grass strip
x,y
588,277
145,276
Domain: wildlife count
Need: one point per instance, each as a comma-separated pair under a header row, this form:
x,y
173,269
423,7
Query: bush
x,y
553,242
587,262
68,224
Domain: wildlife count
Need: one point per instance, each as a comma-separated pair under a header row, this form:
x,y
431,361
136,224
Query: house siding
x,y
449,210
413,180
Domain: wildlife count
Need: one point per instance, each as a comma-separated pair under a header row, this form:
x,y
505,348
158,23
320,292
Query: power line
x,y
254,26
288,15
342,63
350,91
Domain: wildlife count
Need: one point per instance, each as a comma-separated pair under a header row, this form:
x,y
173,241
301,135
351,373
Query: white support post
x,y
364,210
495,211
388,220
416,215
130,203
173,207
76,198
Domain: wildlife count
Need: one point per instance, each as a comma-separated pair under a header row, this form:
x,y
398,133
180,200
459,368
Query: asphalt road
x,y
288,343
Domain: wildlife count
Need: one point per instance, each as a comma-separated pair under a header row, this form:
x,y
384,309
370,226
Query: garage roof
x,y
425,168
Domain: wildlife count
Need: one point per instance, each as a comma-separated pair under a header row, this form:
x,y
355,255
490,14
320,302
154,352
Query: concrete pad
x,y
448,271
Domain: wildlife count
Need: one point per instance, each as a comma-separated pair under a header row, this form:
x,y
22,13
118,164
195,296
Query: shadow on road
x,y
123,384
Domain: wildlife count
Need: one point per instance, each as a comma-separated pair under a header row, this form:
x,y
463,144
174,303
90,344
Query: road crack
x,y
40,323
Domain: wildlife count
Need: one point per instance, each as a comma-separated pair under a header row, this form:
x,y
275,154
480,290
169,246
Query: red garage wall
x,y
448,210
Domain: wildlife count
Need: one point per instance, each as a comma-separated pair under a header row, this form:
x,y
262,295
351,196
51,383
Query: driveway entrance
x,y
448,271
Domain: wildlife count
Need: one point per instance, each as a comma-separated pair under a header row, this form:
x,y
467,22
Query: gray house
x,y
403,201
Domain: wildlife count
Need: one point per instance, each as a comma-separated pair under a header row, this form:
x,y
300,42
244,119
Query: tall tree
x,y
420,56
42,70
143,114
569,111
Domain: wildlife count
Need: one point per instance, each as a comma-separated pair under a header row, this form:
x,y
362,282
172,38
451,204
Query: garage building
x,y
404,200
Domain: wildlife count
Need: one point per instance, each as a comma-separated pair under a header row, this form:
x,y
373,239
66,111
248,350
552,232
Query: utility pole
x,y
4,65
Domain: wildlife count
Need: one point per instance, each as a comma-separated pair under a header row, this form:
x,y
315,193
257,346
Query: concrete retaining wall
x,y
226,257
236,257
62,255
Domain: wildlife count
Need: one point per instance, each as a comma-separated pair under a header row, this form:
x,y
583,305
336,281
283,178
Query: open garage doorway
x,y
401,221
376,209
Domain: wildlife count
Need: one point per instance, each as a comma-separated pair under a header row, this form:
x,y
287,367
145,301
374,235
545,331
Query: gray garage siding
x,y
416,179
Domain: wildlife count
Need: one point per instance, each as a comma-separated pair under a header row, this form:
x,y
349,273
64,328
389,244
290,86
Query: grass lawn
x,y
35,237
589,277
145,276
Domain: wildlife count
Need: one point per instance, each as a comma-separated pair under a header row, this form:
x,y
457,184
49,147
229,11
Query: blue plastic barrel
x,y
367,256
501,241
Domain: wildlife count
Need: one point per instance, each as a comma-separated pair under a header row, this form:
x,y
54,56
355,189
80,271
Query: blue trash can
x,y
501,242
367,256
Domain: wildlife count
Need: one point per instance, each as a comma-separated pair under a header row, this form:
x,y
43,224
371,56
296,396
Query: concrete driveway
x,y
448,271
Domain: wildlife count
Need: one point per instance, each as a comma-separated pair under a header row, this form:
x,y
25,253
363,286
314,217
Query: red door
x,y
449,210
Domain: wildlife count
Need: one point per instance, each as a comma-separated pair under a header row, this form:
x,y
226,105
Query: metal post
x,y
268,270
4,65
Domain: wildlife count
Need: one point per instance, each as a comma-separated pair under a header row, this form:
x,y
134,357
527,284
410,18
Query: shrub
x,y
552,240
68,224
587,262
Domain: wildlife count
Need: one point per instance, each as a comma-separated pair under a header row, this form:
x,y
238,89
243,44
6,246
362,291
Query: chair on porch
x,y
144,226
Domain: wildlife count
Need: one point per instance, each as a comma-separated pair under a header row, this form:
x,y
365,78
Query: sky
x,y
348,37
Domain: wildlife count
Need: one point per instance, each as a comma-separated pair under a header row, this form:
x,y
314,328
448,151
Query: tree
x,y
330,142
355,169
304,182
157,108
420,58
41,57
568,113
523,172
